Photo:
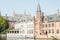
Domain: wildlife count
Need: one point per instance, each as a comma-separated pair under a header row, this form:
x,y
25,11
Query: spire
x,y
38,8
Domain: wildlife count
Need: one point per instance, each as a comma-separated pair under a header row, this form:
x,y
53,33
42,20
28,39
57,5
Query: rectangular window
x,y
46,25
49,31
49,25
43,25
52,24
15,31
57,31
43,31
52,30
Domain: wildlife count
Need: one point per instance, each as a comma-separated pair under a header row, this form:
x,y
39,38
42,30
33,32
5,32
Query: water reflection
x,y
20,39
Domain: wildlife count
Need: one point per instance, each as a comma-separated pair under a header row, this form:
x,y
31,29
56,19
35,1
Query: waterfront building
x,y
46,25
17,18
23,30
42,26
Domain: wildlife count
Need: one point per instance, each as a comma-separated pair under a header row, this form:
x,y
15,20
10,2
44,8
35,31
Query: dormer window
x,y
50,17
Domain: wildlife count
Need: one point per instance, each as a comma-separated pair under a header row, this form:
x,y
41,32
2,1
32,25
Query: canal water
x,y
23,39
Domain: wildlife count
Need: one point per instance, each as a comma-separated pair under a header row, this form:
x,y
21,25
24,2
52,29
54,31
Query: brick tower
x,y
38,22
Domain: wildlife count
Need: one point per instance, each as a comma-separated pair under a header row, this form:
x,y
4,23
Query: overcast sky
x,y
30,6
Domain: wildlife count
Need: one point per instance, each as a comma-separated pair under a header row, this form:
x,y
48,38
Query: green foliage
x,y
4,32
3,24
2,21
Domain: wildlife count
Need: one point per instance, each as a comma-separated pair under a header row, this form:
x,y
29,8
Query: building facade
x,y
23,30
41,26
46,26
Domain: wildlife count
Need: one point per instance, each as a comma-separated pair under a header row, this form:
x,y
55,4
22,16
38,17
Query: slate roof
x,y
53,17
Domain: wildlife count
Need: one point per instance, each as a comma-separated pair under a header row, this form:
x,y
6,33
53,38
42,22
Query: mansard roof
x,y
53,17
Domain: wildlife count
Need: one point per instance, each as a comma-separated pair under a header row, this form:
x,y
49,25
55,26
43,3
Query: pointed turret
x,y
38,8
38,11
38,25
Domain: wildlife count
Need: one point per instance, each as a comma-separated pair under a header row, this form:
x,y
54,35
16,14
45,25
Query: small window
x,y
12,31
57,31
40,33
49,25
15,31
46,25
40,24
52,24
50,17
43,31
43,25
49,31
52,30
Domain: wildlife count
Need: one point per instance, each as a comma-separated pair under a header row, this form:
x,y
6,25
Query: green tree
x,y
2,24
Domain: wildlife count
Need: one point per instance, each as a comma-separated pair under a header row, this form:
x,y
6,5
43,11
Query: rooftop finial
x,y
58,10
